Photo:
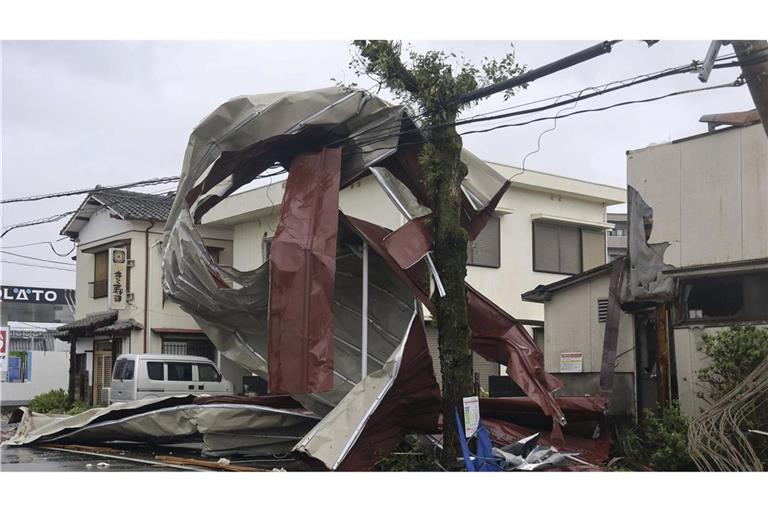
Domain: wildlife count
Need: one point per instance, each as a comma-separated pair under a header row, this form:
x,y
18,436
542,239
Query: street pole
x,y
547,69
755,73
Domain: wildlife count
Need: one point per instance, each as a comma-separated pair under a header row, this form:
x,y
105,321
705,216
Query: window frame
x,y
557,225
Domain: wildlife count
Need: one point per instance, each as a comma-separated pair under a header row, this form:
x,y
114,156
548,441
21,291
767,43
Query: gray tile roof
x,y
135,205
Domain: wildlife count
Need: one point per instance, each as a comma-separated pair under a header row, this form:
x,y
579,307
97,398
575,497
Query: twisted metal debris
x,y
717,439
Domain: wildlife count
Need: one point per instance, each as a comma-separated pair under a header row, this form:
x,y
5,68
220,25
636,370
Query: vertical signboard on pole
x,y
117,277
471,415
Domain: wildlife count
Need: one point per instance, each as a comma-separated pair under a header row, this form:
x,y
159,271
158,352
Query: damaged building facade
x,y
544,226
697,263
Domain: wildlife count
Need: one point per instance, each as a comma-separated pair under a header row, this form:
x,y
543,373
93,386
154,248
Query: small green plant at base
x,y
659,441
55,402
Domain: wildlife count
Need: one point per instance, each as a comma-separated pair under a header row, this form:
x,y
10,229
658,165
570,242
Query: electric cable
x,y
143,183
36,266
36,259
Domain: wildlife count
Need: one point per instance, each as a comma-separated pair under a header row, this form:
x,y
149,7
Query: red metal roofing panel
x,y
302,274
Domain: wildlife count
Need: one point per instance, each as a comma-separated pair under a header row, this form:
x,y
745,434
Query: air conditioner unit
x,y
105,395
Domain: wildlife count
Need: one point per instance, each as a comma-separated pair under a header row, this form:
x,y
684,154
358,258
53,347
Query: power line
x,y
623,84
44,220
36,259
143,183
34,243
608,107
36,266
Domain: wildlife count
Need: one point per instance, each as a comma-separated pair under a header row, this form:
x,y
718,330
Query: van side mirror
x,y
219,378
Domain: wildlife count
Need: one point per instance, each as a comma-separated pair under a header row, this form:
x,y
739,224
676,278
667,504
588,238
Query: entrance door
x,y
102,371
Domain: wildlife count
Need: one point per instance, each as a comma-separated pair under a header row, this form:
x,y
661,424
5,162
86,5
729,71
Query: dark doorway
x,y
655,369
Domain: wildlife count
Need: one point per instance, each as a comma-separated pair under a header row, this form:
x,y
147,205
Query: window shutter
x,y
545,248
592,248
485,250
570,250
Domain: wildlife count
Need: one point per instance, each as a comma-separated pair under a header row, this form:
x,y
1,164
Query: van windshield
x,y
118,370
207,373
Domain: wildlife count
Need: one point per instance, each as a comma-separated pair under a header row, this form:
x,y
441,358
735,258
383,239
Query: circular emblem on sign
x,y
118,257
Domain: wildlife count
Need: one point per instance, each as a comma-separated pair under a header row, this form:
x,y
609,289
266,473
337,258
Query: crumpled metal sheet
x,y
248,135
496,335
527,455
645,281
223,427
372,419
509,419
302,275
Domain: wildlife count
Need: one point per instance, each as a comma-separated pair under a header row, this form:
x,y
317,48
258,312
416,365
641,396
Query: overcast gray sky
x,y
77,114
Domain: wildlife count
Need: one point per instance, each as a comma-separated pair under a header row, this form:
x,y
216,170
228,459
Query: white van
x,y
138,376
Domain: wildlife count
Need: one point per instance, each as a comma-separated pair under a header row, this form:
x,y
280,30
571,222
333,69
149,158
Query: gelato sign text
x,y
35,295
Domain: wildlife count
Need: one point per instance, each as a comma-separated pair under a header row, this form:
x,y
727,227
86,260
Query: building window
x,y
100,277
214,253
485,250
186,345
616,232
731,298
566,249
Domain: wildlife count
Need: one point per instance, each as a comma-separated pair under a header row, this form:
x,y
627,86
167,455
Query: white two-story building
x,y
149,323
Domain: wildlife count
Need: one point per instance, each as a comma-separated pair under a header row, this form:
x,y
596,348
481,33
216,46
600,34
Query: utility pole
x,y
755,73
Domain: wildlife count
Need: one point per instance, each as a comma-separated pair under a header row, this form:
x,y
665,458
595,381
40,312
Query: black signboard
x,y
34,295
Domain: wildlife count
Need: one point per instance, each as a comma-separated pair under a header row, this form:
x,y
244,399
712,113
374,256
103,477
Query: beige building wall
x,y
573,326
709,194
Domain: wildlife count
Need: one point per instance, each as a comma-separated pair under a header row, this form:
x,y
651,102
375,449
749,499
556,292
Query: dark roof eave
x,y
543,293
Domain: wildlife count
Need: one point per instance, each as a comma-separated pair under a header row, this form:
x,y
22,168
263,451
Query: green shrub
x,y
734,353
54,401
77,408
660,441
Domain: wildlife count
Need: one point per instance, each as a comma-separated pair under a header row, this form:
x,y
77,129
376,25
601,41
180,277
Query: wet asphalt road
x,y
38,459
